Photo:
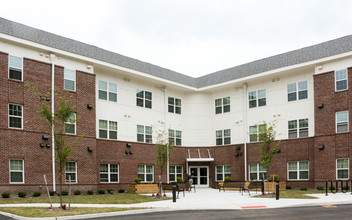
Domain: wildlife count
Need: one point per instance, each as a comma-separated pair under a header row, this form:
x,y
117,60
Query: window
x,y
257,98
342,121
70,79
108,129
257,172
107,89
15,116
298,170
221,172
341,80
144,98
15,67
223,137
254,133
70,124
71,171
175,171
175,137
146,173
16,171
144,134
109,173
174,105
301,92
222,105
342,170
294,131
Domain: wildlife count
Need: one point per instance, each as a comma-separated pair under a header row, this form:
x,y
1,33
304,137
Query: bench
x,y
252,185
232,184
166,186
185,186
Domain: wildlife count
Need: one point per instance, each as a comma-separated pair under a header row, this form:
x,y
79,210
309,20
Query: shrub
x,y
276,177
288,187
121,191
179,179
137,180
64,193
320,187
332,187
90,192
52,193
101,191
345,187
227,178
77,192
36,194
111,191
22,194
303,188
5,195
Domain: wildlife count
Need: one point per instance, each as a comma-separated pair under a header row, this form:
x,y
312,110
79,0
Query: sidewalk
x,y
208,198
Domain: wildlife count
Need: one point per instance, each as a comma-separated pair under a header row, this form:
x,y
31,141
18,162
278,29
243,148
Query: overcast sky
x,y
193,37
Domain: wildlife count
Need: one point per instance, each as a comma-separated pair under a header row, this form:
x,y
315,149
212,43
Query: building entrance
x,y
200,176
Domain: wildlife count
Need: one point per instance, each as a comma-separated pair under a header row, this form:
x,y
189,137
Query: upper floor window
x,y
15,67
16,171
342,169
109,173
146,173
70,79
144,134
223,137
341,80
144,98
108,129
255,131
175,171
298,128
257,172
222,105
298,170
15,116
71,171
175,137
257,98
342,121
70,124
107,91
222,171
294,93
174,105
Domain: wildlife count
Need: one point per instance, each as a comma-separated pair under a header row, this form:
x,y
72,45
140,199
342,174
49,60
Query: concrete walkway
x,y
207,198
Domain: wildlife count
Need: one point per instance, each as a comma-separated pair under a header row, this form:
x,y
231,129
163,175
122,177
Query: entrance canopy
x,y
199,155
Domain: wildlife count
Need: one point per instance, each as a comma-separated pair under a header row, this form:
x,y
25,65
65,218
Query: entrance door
x,y
200,176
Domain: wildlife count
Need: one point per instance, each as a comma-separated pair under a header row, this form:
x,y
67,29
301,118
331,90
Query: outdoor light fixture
x,y
321,147
278,150
321,105
48,145
45,137
128,145
130,152
126,152
90,149
41,145
89,106
238,147
237,154
240,154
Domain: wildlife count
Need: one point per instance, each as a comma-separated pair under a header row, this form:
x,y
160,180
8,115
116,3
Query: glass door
x,y
200,176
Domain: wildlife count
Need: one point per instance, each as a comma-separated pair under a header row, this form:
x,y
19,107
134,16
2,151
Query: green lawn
x,y
293,194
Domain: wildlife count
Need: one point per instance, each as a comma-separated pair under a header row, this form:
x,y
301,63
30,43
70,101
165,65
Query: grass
x,y
119,198
33,212
293,194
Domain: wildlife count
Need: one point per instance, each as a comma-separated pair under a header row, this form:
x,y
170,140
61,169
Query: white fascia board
x,y
200,159
91,60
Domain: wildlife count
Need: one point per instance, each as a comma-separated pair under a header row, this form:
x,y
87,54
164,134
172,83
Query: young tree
x,y
64,113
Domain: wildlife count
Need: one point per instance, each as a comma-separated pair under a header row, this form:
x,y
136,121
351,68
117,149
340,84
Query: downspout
x,y
168,159
52,59
245,129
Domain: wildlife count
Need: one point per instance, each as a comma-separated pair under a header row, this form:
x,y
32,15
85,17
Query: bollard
x,y
174,192
277,190
326,187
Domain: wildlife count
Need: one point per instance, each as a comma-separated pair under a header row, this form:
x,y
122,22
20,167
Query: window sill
x,y
16,80
16,128
17,183
298,180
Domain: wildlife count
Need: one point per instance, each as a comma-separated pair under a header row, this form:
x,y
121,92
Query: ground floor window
x,y
222,171
71,171
298,170
342,171
175,171
146,173
257,172
16,171
109,173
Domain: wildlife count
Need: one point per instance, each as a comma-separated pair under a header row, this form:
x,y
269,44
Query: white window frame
x,y
348,169
144,99
335,76
297,90
10,171
223,173
256,98
342,122
108,129
258,172
257,132
174,137
109,173
108,90
298,128
175,174
222,106
145,173
75,172
298,170
74,124
172,107
15,68
145,134
222,137
66,78
15,116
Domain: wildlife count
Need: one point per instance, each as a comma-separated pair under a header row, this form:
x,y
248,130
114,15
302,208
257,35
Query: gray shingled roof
x,y
326,49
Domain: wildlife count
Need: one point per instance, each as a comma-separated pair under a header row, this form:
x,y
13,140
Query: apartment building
x,y
214,120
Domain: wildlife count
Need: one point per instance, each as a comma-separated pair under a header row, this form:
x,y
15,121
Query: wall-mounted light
x,y
45,137
320,105
240,153
48,145
238,147
237,154
90,149
321,147
126,152
130,152
89,106
41,145
128,145
278,150
44,98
